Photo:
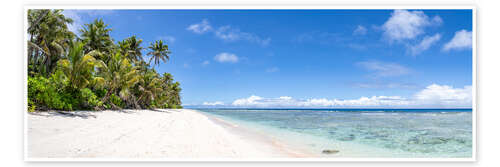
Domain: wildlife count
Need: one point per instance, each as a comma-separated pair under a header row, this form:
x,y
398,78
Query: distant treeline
x,y
91,71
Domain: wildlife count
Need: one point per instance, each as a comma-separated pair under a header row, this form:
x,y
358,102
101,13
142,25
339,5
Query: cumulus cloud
x,y
360,30
216,103
227,33
404,24
226,58
257,101
445,95
432,96
200,28
286,101
384,69
461,40
425,44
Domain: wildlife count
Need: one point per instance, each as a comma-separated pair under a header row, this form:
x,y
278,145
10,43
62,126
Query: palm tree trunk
x,y
136,105
106,97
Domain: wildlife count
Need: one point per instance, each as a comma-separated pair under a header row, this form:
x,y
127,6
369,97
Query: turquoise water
x,y
409,133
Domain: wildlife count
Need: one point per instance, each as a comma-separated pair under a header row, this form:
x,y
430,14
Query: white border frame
x,y
257,7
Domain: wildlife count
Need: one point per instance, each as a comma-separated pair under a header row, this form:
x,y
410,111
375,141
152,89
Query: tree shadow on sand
x,y
89,114
80,114
158,110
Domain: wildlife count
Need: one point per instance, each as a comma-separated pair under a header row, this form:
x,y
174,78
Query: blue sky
x,y
307,58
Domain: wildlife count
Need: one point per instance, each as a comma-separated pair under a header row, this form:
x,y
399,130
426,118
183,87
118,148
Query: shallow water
x,y
364,132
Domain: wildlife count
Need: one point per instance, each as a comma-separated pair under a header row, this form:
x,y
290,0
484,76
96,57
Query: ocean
x,y
371,133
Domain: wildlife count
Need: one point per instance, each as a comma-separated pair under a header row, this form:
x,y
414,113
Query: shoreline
x,y
258,138
169,133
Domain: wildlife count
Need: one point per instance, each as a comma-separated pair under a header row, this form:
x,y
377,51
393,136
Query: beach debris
x,y
330,151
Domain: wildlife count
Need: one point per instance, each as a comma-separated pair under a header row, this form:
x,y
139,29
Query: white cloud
x,y
432,96
168,39
216,103
76,16
405,24
77,20
252,100
436,20
227,33
226,58
445,95
383,69
461,40
425,44
200,28
205,63
272,69
286,101
360,30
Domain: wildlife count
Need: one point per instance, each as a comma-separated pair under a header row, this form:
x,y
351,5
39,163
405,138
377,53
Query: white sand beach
x,y
180,133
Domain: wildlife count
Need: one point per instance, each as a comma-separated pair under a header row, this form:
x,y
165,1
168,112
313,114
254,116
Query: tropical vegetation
x,y
90,71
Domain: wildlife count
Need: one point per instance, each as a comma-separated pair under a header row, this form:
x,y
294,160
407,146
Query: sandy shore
x,y
179,133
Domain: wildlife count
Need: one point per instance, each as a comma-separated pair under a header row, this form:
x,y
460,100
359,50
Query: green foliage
x,y
159,51
89,99
93,72
79,67
49,39
44,92
176,107
96,38
116,100
31,106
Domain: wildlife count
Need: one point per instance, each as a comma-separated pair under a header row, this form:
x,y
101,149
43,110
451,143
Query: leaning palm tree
x,y
158,52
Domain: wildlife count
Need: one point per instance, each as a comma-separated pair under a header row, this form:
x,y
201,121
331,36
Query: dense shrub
x,y
88,99
45,94
31,106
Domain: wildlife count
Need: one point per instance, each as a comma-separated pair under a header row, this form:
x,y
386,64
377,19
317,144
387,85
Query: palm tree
x,y
176,96
158,52
78,67
131,48
96,38
118,76
49,38
150,88
167,78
